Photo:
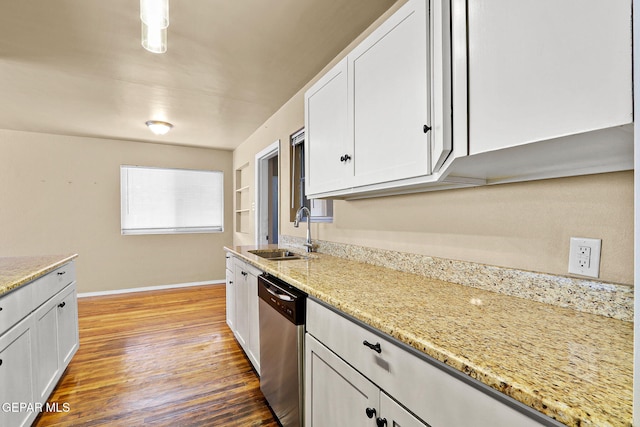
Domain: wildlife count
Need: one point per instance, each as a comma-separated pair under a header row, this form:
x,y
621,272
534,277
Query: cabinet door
x,y
68,338
335,393
395,415
241,308
17,377
231,300
542,69
48,348
254,321
328,139
391,98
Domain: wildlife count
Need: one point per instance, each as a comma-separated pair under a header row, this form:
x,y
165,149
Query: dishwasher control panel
x,y
284,298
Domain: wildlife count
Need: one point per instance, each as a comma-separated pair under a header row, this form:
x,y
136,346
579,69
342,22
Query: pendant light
x,y
154,15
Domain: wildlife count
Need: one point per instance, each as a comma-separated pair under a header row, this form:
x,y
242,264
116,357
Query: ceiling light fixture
x,y
154,15
158,127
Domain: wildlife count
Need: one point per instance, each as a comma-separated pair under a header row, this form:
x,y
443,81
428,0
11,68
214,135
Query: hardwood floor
x,y
163,358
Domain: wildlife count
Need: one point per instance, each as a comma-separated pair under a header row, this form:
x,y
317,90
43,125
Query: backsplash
x,y
605,299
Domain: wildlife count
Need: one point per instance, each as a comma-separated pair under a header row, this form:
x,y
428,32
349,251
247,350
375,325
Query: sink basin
x,y
276,254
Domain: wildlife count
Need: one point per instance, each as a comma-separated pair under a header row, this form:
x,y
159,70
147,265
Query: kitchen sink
x,y
276,254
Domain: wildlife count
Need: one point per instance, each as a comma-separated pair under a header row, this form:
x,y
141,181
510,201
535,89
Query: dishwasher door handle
x,y
282,297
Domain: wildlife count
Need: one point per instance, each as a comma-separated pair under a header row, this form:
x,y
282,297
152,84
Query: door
x,y
335,393
16,372
253,348
231,300
68,324
241,309
48,348
528,85
328,144
391,102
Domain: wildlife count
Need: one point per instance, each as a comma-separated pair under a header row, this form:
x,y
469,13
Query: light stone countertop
x,y
572,366
18,271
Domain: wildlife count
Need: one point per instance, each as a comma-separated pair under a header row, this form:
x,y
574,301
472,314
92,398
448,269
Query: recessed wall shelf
x,y
242,200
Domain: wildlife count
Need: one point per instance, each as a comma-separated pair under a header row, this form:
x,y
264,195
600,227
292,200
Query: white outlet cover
x,y
578,264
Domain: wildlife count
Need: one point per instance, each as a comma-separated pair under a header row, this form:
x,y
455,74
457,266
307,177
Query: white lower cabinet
x,y
343,355
56,337
245,307
38,338
17,376
337,395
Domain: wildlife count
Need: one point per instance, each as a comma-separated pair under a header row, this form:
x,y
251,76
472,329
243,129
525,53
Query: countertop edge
x,y
36,274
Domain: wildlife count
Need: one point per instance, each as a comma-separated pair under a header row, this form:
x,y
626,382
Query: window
x,y
170,201
321,210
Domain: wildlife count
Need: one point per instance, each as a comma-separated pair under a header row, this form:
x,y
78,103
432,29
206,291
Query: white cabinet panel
x,y
542,69
247,324
57,339
391,98
14,306
17,372
253,349
48,348
327,133
47,286
241,307
335,394
68,324
231,300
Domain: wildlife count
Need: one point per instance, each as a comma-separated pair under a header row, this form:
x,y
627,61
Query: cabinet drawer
x,y
229,261
434,395
49,285
15,306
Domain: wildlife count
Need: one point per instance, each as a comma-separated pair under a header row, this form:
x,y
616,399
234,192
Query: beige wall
x,y
61,194
525,225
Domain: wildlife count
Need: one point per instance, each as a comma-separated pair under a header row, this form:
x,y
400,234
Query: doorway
x,y
267,191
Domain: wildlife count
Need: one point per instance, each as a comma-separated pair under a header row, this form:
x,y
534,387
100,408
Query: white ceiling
x,y
76,67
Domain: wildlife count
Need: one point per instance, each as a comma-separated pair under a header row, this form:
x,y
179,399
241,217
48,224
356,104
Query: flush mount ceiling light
x,y
158,127
154,15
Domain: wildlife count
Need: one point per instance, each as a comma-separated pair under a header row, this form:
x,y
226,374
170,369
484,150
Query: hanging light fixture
x,y
154,15
158,127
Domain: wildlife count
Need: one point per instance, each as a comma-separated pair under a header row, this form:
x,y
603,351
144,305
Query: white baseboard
x,y
149,288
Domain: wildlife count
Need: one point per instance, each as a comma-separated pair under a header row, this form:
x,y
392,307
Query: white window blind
x,y
167,201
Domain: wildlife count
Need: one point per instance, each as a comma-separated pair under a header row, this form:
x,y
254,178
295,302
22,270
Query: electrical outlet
x,y
584,256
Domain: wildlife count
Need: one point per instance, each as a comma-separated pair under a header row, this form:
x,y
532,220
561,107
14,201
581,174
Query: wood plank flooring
x,y
162,358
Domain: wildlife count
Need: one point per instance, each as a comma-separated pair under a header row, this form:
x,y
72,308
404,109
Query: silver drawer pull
x,y
375,347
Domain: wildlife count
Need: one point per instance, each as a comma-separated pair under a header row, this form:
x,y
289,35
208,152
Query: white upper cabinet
x,y
390,93
382,116
329,149
452,93
543,69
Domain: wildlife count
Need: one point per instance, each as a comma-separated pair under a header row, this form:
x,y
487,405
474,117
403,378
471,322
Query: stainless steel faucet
x,y
296,222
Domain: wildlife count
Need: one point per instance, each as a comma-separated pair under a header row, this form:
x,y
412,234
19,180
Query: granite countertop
x,y
574,367
17,271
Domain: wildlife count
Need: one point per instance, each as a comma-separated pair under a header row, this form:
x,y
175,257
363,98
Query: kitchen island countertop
x,y
574,367
18,271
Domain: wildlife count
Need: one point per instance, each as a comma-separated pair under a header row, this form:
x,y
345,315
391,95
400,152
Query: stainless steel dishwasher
x,y
282,311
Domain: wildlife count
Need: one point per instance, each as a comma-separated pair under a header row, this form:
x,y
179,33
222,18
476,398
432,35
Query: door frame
x,y
262,188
